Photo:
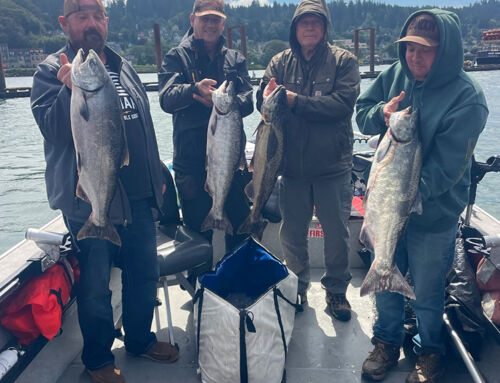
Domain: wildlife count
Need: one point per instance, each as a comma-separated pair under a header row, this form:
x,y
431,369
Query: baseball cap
x,y
423,30
72,6
209,7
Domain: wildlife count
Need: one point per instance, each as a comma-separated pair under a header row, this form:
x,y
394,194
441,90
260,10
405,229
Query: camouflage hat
x,y
209,7
423,30
72,6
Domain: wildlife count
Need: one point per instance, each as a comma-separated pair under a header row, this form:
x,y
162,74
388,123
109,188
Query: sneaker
x,y
162,352
339,306
428,369
108,374
383,357
301,302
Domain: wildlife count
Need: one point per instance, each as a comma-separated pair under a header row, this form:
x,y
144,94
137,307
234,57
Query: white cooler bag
x,y
243,315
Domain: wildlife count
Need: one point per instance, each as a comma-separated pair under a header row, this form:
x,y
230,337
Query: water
x,y
23,201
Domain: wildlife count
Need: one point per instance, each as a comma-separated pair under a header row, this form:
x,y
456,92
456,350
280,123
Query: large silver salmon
x,y
390,198
100,144
225,153
266,159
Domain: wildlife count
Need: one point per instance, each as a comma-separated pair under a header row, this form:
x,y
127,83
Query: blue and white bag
x,y
244,313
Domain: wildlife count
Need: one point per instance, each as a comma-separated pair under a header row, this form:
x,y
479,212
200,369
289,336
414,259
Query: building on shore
x,y
21,57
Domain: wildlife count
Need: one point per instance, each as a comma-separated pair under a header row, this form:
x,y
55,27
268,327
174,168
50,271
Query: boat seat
x,y
187,253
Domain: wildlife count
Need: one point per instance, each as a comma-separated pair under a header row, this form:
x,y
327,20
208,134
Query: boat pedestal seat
x,y
188,253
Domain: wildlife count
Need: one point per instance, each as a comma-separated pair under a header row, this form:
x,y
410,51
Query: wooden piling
x,y
159,58
3,87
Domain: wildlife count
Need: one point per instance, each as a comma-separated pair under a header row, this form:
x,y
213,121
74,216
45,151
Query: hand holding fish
x,y
392,106
64,73
270,87
204,91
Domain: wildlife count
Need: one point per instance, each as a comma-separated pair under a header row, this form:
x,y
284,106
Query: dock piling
x,y
3,87
159,58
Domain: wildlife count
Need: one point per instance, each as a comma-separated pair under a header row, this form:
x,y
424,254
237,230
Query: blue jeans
x,y
138,260
428,256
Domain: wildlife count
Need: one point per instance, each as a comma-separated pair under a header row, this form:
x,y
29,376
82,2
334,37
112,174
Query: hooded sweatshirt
x,y
318,137
452,114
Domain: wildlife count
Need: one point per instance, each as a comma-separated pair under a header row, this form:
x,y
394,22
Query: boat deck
x,y
322,349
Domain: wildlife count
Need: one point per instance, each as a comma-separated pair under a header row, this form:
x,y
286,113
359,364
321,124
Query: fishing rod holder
x,y
478,171
49,242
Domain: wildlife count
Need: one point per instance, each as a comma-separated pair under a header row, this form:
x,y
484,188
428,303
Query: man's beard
x,y
92,39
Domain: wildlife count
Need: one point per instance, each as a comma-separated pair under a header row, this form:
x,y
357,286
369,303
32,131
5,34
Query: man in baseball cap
x,y
209,7
72,6
422,30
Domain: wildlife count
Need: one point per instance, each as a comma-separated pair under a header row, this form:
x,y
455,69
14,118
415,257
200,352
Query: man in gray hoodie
x,y
322,83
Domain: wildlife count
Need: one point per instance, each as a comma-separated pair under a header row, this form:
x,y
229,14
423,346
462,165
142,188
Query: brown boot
x,y
428,369
162,352
339,306
383,357
108,374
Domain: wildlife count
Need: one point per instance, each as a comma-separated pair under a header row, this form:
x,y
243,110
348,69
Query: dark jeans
x,y
138,260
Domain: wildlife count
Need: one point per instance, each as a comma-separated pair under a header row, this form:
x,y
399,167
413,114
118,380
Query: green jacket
x,y
452,114
319,137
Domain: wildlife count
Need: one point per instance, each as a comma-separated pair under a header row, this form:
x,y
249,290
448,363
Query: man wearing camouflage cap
x,y
452,113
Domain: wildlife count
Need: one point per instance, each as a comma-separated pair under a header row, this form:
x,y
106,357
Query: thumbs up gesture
x,y
64,73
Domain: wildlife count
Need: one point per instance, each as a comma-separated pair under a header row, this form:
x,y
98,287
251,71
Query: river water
x,y
23,201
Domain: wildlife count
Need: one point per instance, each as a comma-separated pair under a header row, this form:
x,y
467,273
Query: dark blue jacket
x,y
50,104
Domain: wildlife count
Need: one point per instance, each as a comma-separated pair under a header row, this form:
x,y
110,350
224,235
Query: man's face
x,y
208,27
86,29
310,31
420,59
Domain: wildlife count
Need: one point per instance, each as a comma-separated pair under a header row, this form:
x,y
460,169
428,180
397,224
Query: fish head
x,y
275,105
403,124
88,73
223,97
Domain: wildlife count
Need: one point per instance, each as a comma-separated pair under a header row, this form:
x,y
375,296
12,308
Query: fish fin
x,y
382,151
80,193
365,238
108,232
78,162
251,166
84,109
213,128
365,198
417,204
211,223
249,190
376,281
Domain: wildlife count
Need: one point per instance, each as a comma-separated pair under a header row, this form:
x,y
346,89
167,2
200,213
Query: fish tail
x,y
256,228
376,281
211,222
108,232
365,238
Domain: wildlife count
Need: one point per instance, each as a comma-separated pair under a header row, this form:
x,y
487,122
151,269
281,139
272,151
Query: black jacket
x,y
50,104
182,67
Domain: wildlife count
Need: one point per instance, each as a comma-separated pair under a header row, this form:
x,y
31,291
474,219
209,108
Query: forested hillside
x,y
33,23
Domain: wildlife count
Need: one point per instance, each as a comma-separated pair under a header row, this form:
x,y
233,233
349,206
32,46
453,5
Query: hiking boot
x,y
428,369
107,374
301,302
339,306
162,352
383,357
